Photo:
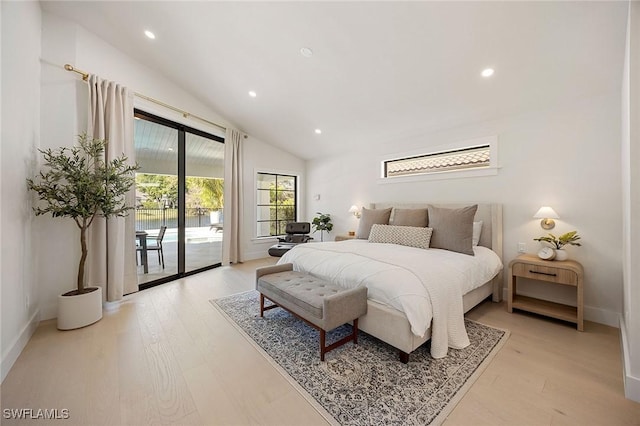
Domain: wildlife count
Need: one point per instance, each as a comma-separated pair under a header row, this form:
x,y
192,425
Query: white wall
x,y
63,111
260,157
20,137
567,157
630,320
60,123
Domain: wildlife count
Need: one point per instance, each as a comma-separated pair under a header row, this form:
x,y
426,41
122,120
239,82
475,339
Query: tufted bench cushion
x,y
320,303
305,291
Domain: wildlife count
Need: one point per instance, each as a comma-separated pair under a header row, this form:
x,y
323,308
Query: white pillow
x,y
477,230
411,236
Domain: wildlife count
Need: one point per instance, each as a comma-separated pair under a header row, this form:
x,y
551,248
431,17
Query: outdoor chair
x,y
157,246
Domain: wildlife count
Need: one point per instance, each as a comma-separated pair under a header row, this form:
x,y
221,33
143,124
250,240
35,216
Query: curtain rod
x,y
185,114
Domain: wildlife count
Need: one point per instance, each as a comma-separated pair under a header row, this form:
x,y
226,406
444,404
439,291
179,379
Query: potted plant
x,y
322,223
78,183
570,238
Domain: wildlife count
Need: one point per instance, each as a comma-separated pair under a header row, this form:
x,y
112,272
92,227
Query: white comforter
x,y
424,284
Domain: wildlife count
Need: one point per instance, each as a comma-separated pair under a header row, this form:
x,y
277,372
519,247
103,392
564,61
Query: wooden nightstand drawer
x,y
545,273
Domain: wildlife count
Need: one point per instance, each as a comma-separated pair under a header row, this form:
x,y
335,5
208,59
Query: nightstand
x,y
567,272
344,237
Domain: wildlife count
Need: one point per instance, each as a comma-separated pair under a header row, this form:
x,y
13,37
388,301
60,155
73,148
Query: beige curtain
x,y
111,262
233,205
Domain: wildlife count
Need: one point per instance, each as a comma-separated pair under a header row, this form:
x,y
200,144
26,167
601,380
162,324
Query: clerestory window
x,y
464,157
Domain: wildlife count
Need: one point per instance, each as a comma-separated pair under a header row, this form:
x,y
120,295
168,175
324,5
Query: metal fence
x,y
155,218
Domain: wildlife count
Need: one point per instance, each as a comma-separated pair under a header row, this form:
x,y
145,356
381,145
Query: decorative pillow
x,y
370,217
477,231
452,228
411,217
412,236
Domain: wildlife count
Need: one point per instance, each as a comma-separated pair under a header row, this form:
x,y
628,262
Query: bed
x,y
412,301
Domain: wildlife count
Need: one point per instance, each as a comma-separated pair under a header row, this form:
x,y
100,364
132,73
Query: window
x,y
475,155
276,203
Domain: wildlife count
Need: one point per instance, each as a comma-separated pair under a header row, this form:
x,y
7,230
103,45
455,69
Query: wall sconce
x,y
355,211
547,214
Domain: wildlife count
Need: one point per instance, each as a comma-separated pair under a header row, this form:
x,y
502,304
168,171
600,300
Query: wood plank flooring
x,y
166,356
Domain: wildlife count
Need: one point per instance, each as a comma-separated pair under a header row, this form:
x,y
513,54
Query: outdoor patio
x,y
203,248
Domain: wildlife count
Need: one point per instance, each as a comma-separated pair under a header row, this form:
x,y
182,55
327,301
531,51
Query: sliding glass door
x,y
204,170
179,199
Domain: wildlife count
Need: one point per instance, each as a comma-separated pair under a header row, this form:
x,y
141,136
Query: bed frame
x,y
391,326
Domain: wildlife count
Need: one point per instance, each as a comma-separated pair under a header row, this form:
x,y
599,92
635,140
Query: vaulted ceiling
x,y
379,70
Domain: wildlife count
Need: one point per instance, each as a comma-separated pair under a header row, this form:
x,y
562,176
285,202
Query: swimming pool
x,y
193,235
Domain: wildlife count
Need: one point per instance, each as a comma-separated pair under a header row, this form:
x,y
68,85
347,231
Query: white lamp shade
x,y
354,209
546,212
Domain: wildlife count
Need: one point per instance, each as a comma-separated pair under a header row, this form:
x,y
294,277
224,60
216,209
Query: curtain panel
x,y
233,205
111,262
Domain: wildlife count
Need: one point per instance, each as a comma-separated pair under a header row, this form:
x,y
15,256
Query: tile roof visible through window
x,y
459,159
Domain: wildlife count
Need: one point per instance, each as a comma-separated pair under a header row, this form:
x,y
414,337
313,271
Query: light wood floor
x,y
166,356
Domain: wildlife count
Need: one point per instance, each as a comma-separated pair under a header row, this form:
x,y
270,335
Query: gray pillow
x,y
371,217
411,217
452,228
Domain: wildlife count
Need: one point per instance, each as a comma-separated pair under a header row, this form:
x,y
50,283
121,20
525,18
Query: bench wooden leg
x,y
323,349
404,357
353,337
355,331
323,334
266,308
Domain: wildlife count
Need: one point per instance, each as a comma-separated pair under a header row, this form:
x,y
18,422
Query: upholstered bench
x,y
321,304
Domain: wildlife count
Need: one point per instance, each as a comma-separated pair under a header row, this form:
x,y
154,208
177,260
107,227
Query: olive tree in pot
x,y
78,183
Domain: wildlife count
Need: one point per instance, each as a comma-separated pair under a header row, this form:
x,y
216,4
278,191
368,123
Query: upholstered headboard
x,y
489,214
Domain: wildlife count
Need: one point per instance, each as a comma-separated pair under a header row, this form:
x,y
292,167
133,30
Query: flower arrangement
x,y
570,238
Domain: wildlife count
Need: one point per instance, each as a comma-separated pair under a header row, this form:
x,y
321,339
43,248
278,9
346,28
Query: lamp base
x,y
547,223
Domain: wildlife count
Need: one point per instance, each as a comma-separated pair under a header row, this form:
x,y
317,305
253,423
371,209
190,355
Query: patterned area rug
x,y
364,384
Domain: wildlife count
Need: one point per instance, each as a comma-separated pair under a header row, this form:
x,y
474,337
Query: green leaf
x,y
322,222
79,183
570,238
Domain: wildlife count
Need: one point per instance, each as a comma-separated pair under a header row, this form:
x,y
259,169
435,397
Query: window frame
x,y
183,130
296,198
491,169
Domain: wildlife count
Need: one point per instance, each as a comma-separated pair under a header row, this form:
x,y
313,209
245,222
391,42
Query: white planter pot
x,y
561,254
79,310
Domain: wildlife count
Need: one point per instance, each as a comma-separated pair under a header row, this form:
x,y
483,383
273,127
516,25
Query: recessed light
x,y
252,93
487,72
149,34
306,52
318,131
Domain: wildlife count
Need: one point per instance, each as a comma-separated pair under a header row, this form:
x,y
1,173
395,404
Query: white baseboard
x,y
631,383
591,313
259,252
602,316
10,356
